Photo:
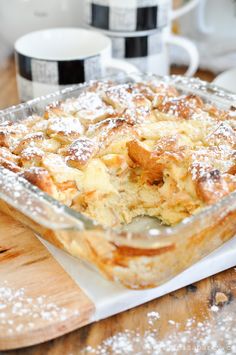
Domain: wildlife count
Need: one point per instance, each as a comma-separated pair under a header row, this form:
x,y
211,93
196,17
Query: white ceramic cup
x,y
133,15
212,26
217,18
50,59
227,80
149,51
213,22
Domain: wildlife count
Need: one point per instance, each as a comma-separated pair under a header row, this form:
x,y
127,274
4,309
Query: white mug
x,y
211,21
54,58
212,26
132,15
217,18
148,51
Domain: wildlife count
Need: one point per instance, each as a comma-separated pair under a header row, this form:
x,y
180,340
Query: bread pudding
x,y
118,151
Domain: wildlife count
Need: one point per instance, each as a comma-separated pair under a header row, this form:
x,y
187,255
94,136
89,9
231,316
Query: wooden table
x,y
191,302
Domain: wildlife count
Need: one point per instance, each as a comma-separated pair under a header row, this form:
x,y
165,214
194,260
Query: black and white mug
x,y
132,15
149,51
51,59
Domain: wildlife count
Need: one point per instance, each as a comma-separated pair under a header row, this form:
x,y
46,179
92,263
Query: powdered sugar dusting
x,y
89,106
216,336
153,317
31,152
81,149
214,308
65,125
21,313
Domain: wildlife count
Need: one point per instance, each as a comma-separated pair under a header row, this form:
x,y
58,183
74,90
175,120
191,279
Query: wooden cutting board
x,y
38,299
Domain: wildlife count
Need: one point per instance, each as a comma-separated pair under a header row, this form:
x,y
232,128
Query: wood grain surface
x,y
191,302
50,303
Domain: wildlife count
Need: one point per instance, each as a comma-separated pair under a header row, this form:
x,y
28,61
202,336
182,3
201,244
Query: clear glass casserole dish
x,y
139,258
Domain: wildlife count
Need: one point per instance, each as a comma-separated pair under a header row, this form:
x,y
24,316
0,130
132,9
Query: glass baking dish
x,y
145,256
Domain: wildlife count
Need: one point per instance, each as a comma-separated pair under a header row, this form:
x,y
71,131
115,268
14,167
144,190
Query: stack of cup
x,y
140,31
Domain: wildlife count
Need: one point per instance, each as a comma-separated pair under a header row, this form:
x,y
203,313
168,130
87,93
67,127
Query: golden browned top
x,y
122,150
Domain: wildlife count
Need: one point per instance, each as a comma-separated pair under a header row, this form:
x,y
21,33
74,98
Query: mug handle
x,y
121,65
189,47
201,19
183,9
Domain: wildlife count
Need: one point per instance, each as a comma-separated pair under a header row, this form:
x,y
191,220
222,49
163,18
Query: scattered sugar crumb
x,y
214,308
172,322
190,322
153,317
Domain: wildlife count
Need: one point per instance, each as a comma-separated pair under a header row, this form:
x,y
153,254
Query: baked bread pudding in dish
x,y
118,151
114,151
